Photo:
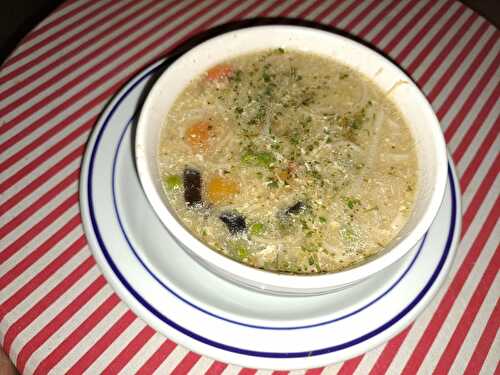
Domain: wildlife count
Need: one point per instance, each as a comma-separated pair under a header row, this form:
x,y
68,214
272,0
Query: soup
x,y
289,162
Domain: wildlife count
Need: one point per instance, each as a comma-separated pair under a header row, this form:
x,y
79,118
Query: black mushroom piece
x,y
296,209
235,223
192,187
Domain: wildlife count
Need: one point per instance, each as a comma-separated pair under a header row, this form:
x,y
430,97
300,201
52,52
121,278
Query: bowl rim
x,y
269,279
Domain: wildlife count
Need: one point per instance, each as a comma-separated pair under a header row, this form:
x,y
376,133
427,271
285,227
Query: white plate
x,y
190,305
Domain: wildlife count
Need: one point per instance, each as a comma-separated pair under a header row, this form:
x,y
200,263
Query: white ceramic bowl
x,y
430,145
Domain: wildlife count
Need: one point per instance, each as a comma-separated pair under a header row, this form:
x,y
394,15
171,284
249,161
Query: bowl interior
x,y
429,142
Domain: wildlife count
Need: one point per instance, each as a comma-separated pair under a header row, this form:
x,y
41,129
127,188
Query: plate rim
x,y
411,310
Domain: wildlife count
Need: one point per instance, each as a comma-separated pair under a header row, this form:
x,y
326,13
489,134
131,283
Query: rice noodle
x,y
396,157
330,247
398,221
346,144
393,125
373,148
364,95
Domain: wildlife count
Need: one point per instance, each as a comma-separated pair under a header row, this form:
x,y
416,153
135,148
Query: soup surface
x,y
289,162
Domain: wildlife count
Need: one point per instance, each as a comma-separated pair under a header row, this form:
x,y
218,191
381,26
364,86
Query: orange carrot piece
x,y
221,189
283,175
219,72
197,135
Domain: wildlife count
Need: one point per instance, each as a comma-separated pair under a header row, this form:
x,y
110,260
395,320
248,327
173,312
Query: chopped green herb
x,y
351,202
237,76
275,146
309,247
295,139
315,174
273,183
347,234
313,261
260,159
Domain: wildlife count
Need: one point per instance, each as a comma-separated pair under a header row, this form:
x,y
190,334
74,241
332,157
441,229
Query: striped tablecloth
x,y
57,313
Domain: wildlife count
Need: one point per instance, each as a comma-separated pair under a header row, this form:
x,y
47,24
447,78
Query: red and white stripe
x,y
57,312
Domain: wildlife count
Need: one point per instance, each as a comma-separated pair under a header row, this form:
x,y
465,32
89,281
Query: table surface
x,y
58,314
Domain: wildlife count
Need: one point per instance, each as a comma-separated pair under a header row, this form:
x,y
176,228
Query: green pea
x,y
256,229
173,182
248,158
